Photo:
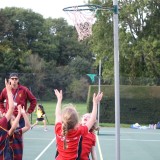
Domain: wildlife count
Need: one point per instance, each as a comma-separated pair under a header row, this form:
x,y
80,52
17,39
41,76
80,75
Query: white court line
x,y
140,140
45,149
137,140
107,132
99,148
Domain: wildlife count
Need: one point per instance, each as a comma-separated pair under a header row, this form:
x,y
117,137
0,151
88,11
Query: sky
x,y
47,8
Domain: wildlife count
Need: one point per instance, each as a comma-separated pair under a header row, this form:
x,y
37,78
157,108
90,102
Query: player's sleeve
x,y
3,122
58,127
84,130
2,98
94,139
33,101
19,131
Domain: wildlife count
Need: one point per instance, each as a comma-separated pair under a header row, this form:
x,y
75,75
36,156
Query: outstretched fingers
x,y
8,85
97,98
19,108
58,94
23,110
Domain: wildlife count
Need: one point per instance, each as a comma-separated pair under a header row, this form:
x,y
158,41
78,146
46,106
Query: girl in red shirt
x,y
67,129
89,140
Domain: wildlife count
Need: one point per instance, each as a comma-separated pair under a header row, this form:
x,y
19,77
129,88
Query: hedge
x,y
138,104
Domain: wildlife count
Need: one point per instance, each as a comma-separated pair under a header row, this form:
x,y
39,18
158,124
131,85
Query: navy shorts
x,y
40,119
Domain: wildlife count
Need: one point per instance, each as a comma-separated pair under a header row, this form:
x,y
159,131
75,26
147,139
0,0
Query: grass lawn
x,y
49,107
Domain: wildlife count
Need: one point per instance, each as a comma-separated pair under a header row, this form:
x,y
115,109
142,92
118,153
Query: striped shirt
x,y
16,144
4,140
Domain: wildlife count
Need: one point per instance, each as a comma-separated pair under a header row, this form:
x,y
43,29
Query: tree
x,y
101,41
138,36
46,51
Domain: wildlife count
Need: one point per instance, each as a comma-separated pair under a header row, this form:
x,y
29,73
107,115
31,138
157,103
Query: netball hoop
x,y
83,17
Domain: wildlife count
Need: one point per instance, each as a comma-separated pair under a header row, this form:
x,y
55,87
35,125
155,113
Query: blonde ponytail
x,y
64,133
69,121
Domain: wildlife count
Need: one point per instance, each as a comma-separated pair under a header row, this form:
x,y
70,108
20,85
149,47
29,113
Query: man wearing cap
x,y
21,95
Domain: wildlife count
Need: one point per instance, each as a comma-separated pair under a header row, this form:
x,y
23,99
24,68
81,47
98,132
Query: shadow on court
x,y
135,144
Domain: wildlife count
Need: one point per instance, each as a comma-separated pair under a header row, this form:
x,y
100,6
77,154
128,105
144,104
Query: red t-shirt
x,y
88,141
73,138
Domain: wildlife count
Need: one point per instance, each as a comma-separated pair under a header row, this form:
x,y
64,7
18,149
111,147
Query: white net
x,y
83,21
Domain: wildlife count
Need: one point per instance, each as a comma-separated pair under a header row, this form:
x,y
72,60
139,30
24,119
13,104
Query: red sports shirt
x,y
73,142
20,95
88,141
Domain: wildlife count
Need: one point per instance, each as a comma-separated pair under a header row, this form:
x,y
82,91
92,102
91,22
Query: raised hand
x,y
58,94
58,105
97,98
23,110
8,85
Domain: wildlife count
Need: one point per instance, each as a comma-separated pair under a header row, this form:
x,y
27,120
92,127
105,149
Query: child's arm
x,y
10,101
43,113
36,108
16,121
26,121
1,115
58,106
96,98
93,153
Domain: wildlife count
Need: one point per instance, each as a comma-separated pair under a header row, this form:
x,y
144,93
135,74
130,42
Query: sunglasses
x,y
14,79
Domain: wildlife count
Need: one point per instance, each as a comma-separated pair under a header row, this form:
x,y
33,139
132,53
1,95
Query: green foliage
x,y
78,90
137,104
138,37
80,66
139,44
46,52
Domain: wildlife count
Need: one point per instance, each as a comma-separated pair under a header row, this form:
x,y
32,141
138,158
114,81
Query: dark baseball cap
x,y
13,75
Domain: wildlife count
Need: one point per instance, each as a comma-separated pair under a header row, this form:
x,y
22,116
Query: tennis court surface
x,y
136,144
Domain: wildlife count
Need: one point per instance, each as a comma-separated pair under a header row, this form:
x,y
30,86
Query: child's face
x,y
85,119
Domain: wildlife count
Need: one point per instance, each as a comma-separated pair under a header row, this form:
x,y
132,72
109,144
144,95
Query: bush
x,y
78,90
137,104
